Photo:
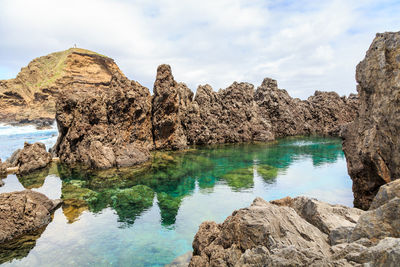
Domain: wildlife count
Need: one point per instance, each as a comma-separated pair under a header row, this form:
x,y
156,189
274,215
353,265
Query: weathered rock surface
x,y
3,169
323,113
302,232
32,157
386,192
104,119
372,142
227,116
170,102
23,212
31,96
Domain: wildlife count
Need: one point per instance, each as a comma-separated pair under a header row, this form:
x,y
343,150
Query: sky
x,y
304,45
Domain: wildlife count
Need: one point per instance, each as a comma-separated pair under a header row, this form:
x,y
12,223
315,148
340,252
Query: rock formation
x,y
31,96
227,116
104,119
323,113
303,232
372,142
170,102
23,212
32,157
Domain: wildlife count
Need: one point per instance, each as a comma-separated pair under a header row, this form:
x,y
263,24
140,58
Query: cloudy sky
x,y
305,45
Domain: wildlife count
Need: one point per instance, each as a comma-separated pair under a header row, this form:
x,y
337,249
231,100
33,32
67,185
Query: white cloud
x,y
306,45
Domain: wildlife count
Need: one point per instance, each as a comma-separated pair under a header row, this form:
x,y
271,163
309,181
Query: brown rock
x,y
23,212
32,157
226,116
372,142
323,113
31,96
3,169
170,102
104,120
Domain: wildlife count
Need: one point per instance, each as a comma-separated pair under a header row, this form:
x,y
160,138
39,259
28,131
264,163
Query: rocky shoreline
x,y
105,120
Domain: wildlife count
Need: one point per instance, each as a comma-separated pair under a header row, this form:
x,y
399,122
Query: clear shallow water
x,y
13,138
148,216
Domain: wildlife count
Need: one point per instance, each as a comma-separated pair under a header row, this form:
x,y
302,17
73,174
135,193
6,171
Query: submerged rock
x,y
23,212
372,142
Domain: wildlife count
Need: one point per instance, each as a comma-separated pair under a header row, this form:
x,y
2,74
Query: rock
x,y
340,235
323,113
372,142
3,169
386,193
23,212
32,157
261,227
104,119
31,96
226,116
170,101
181,261
326,217
379,223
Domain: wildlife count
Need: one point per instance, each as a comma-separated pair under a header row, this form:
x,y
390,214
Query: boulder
x,y
372,142
105,121
263,229
326,217
170,102
23,212
385,194
32,157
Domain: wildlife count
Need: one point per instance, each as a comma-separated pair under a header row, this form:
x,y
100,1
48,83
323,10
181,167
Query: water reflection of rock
x,y
171,176
19,248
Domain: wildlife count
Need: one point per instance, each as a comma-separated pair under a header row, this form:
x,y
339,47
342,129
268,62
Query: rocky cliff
x,y
372,142
104,119
303,232
31,96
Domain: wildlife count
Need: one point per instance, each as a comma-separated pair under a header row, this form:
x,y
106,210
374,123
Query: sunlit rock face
x,y
105,121
372,142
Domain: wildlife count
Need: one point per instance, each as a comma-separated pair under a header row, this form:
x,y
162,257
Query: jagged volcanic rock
x,y
22,212
170,102
372,142
323,113
227,116
104,119
32,157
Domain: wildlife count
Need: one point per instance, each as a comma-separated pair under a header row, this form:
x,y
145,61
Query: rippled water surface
x,y
148,216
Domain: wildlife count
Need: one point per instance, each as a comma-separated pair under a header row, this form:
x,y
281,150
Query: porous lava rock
x,y
104,119
372,142
32,157
170,102
23,212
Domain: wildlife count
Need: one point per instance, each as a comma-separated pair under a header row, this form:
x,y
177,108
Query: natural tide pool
x,y
148,216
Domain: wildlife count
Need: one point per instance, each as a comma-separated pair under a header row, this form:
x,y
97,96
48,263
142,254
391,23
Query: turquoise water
x,y
148,216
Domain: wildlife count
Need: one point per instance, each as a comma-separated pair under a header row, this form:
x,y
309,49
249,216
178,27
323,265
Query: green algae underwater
x,y
148,215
